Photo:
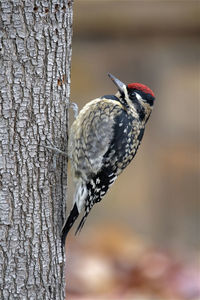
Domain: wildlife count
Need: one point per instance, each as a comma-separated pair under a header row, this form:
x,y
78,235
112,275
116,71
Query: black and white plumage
x,y
103,140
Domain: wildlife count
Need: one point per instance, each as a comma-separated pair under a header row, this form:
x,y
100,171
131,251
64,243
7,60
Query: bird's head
x,y
134,94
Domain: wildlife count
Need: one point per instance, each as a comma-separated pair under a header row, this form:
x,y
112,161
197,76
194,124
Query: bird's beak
x,y
120,85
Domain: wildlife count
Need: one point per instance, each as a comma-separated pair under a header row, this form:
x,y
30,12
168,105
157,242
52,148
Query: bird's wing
x,y
90,136
117,156
127,135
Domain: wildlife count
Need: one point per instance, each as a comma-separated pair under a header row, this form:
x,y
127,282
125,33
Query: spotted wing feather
x,y
90,136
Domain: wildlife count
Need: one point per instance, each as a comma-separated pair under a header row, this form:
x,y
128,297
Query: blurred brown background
x,y
155,43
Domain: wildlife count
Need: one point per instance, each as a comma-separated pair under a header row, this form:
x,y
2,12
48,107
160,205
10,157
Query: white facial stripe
x,y
138,96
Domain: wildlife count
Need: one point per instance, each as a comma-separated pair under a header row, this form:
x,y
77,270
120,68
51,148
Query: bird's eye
x,y
132,95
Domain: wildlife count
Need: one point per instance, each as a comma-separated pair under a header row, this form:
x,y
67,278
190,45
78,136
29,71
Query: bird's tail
x,y
82,222
86,195
79,200
96,189
69,222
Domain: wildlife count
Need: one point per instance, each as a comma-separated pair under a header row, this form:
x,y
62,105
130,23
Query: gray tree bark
x,y
35,55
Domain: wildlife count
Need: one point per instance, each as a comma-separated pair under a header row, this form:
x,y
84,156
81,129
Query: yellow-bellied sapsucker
x,y
103,140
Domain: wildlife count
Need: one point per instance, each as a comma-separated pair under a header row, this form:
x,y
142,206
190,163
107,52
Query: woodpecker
x,y
103,140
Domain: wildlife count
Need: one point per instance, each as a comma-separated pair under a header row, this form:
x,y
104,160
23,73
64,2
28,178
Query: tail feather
x,y
96,189
81,224
69,222
86,195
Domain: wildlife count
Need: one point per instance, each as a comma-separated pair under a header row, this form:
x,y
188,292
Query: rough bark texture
x,y
35,49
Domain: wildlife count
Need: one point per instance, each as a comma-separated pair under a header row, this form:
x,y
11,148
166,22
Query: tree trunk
x,y
35,49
